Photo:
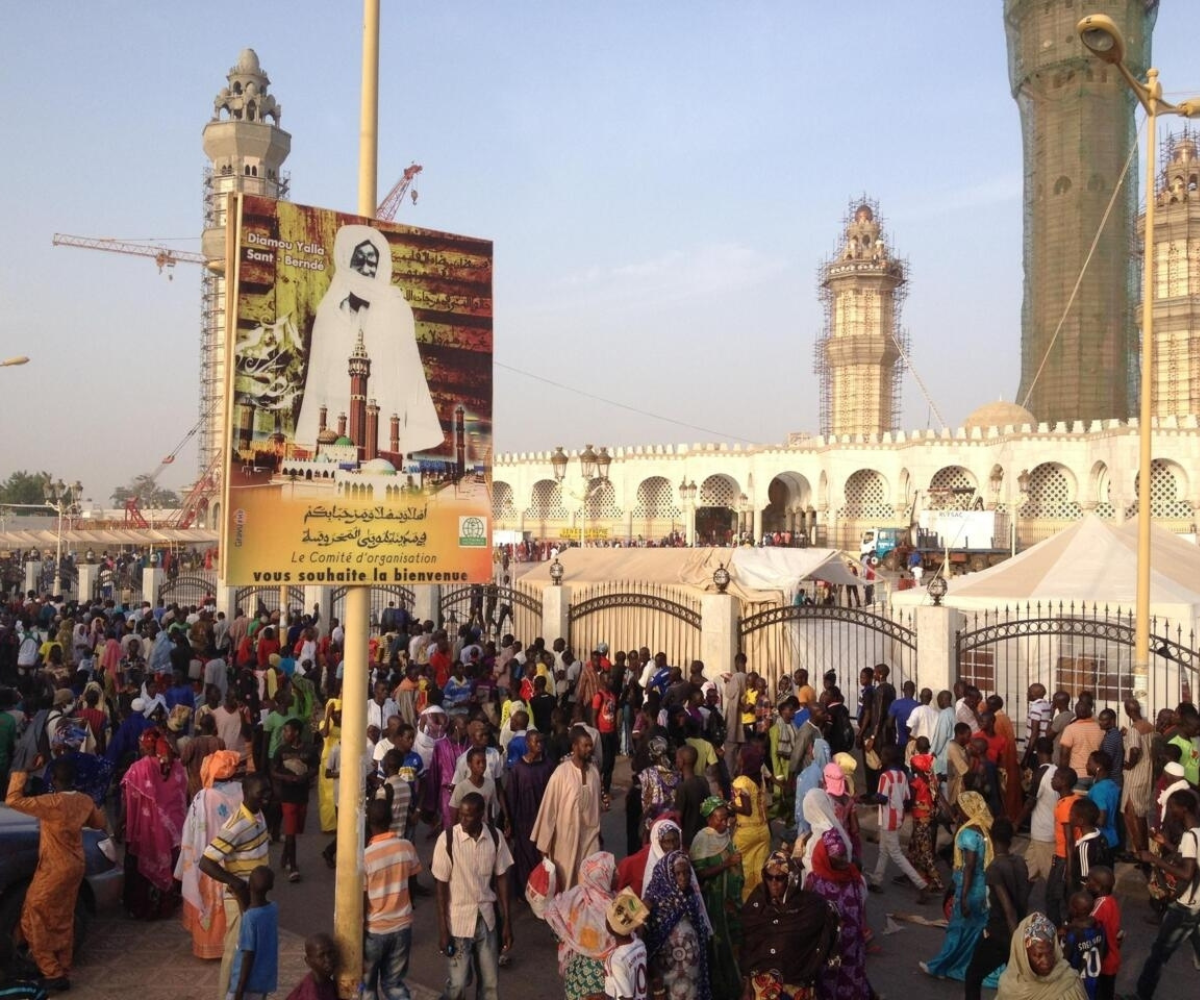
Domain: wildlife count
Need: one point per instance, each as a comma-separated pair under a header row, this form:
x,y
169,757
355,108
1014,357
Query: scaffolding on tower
x,y
861,352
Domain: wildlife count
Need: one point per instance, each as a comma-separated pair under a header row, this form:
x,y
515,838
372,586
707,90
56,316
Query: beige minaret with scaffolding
x,y
246,148
1177,279
859,353
1078,353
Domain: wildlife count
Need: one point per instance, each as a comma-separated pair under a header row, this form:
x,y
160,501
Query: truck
x,y
966,537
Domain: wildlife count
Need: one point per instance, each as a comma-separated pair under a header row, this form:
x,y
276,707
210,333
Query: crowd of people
x,y
201,741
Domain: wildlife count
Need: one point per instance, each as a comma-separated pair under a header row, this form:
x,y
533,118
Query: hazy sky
x,y
660,180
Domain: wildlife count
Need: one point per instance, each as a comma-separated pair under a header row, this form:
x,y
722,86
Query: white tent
x,y
1090,563
758,574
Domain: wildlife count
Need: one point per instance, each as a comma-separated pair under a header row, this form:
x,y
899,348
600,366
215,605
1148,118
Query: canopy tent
x,y
1090,563
101,538
766,574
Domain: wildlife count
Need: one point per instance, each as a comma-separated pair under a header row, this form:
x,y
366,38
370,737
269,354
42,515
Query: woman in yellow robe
x,y
752,836
331,732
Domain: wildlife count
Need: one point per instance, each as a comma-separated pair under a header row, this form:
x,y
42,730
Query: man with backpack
x,y
469,866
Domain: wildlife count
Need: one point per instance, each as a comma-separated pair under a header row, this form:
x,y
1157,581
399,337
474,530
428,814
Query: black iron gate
x,y
1073,648
821,637
630,615
505,609
188,589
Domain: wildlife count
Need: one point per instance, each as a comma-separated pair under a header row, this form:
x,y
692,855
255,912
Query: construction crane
x,y
162,256
391,204
198,497
166,258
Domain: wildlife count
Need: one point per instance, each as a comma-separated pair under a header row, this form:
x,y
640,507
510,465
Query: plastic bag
x,y
541,887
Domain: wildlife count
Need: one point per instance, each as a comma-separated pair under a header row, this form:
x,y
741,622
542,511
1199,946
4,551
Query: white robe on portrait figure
x,y
361,297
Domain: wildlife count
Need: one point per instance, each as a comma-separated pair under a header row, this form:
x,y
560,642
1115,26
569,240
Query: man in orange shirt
x,y
1079,741
1063,782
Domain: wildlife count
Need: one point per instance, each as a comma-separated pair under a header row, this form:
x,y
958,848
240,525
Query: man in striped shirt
x,y
241,846
469,865
388,864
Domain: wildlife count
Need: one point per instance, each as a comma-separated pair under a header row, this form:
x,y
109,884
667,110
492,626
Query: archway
x,y
716,510
789,495
953,488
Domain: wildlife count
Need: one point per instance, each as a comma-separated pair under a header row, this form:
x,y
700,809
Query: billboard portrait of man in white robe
x,y
362,298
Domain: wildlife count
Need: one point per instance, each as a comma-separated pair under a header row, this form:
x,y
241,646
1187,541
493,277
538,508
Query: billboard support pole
x,y
348,906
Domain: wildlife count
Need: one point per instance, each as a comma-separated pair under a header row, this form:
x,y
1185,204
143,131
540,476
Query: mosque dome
x,y
863,213
343,440
378,467
327,436
999,414
248,62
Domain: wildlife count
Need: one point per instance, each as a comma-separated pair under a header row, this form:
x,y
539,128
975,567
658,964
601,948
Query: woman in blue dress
x,y
972,855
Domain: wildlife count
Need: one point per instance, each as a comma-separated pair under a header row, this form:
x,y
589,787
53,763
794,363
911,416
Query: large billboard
x,y
359,380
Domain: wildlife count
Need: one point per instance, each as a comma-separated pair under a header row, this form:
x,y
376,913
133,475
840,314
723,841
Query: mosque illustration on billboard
x,y
346,462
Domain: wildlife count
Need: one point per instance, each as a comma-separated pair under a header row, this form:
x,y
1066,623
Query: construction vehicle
x,y
963,539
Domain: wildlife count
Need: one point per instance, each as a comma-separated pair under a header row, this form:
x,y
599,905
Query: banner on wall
x,y
359,385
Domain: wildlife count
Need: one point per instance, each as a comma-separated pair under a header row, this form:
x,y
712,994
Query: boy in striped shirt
x,y
240,846
388,864
893,797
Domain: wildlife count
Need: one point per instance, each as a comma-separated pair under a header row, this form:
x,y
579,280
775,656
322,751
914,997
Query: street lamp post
x,y
687,494
1102,38
593,466
62,499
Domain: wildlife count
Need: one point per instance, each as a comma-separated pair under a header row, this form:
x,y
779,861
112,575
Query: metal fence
x,y
780,639
506,609
189,588
629,614
1074,648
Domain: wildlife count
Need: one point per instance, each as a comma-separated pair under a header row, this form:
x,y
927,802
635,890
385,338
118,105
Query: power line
x,y
623,406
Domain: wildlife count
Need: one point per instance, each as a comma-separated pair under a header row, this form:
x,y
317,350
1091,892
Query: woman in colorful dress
x,y
752,836
659,780
719,868
155,797
677,932
834,876
972,855
920,851
577,916
219,798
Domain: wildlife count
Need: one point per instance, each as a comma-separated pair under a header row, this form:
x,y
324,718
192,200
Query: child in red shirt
x,y
1108,915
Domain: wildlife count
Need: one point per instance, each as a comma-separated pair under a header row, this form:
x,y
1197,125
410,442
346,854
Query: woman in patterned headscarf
x,y
791,937
972,855
659,780
719,867
577,917
1036,968
93,773
678,930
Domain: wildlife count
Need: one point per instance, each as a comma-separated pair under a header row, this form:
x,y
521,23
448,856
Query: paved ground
x,y
122,956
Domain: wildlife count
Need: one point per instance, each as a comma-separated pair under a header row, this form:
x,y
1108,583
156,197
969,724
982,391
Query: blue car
x,y
101,888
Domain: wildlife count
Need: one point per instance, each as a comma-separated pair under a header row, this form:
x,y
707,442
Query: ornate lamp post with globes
x,y
62,499
593,467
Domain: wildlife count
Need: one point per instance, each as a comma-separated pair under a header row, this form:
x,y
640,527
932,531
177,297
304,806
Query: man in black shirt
x,y
1007,880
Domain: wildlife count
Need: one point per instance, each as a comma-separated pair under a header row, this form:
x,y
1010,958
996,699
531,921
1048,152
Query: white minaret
x,y
246,151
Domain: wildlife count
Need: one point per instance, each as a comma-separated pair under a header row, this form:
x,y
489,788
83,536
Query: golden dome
x,y
863,214
327,436
1000,414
